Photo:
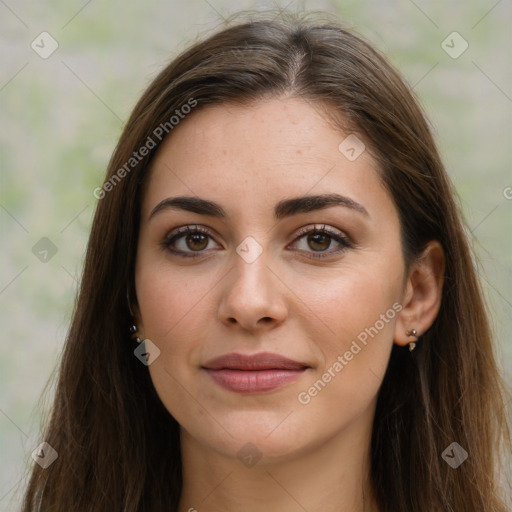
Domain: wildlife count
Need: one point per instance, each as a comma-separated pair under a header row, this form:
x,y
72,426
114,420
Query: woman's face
x,y
257,280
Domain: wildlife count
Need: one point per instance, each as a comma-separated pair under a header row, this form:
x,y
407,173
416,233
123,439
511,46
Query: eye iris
x,y
196,238
318,238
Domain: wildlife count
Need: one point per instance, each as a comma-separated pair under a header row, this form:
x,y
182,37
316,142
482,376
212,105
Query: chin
x,y
269,437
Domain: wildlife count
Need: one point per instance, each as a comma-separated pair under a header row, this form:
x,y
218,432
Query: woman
x,y
279,309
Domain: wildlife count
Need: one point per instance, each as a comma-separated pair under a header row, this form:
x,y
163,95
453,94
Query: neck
x,y
329,477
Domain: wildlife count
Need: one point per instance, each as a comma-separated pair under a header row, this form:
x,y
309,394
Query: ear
x,y
422,294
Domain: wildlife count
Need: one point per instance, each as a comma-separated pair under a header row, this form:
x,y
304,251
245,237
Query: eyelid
x,y
318,228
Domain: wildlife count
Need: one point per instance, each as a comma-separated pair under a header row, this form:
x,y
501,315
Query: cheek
x,y
177,312
352,326
170,301
343,306
173,308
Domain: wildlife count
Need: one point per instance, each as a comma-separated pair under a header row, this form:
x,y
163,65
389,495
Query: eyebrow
x,y
283,209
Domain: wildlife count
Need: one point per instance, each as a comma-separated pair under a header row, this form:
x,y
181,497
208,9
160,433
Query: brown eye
x,y
196,241
319,240
187,241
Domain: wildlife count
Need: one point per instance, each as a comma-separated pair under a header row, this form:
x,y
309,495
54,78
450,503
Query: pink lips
x,y
254,374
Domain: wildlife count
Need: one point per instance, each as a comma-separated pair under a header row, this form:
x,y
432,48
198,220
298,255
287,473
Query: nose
x,y
252,297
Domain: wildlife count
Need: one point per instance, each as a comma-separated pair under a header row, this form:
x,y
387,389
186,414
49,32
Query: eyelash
x,y
171,238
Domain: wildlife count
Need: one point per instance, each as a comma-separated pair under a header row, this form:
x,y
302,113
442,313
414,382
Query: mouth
x,y
256,373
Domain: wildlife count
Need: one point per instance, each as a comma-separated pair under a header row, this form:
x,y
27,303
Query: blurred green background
x,y
62,113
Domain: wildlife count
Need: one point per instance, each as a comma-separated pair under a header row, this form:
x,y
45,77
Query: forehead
x,y
257,154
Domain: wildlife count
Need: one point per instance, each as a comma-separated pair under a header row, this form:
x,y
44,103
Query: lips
x,y
254,373
261,361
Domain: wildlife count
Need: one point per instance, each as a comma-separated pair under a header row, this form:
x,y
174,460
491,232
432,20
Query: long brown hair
x,y
119,447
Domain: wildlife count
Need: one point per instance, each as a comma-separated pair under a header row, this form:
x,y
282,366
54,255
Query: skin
x,y
314,456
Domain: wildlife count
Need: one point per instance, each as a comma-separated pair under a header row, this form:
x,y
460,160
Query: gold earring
x,y
412,344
